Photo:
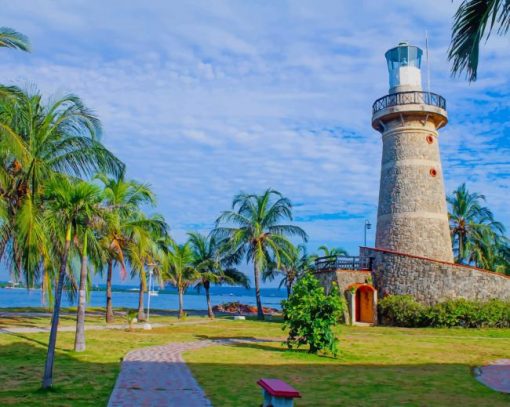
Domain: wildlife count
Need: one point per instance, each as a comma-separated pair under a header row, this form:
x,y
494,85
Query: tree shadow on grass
x,y
77,382
259,343
26,338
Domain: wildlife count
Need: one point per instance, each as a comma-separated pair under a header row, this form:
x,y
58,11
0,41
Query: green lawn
x,y
376,366
95,316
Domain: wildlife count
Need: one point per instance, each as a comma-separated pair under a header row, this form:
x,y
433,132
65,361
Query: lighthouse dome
x,y
404,63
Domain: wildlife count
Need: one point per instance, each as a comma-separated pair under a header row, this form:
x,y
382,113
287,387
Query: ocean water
x,y
167,299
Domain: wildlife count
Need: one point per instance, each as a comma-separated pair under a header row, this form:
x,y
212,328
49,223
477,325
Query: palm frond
x,y
474,20
12,39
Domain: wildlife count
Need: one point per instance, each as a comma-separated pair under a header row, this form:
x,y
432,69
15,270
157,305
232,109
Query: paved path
x,y
496,376
158,376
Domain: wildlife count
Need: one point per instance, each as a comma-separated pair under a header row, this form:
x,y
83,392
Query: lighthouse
x,y
412,217
413,249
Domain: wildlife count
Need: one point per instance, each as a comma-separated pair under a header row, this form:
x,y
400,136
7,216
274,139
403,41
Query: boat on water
x,y
153,293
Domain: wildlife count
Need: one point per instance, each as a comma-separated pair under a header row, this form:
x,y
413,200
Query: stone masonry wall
x,y
412,215
431,281
343,278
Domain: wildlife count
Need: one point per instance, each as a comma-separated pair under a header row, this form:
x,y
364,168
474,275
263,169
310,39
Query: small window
x,y
433,172
430,139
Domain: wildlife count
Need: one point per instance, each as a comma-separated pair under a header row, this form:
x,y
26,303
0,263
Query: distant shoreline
x,y
229,290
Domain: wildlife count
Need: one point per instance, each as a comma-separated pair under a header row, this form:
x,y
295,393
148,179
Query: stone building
x,y
413,250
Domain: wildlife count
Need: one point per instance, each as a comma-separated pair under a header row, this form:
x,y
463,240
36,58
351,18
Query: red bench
x,y
277,393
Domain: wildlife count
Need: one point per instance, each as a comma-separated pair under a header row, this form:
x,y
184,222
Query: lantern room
x,y
404,63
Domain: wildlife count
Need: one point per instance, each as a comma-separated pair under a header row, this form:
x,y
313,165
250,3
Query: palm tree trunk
x,y
141,315
79,339
50,357
289,289
181,302
109,310
207,287
461,248
260,311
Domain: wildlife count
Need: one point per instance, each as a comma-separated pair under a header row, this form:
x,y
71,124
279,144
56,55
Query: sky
x,y
205,99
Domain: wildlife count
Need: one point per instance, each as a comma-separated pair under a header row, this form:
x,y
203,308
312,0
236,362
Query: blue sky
x,y
204,99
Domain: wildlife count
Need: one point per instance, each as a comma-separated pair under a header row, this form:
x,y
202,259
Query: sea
x,y
167,299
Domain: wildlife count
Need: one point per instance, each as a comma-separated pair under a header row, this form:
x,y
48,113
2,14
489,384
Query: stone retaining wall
x,y
343,278
432,281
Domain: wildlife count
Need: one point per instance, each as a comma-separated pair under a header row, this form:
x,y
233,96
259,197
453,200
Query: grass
x,y
39,317
376,366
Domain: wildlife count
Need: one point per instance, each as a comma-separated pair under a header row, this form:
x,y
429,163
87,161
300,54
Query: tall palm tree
x,y
474,231
40,142
252,230
292,267
474,21
179,270
87,245
69,205
142,249
123,199
209,260
10,38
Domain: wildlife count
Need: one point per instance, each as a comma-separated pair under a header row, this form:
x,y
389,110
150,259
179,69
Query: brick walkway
x,y
158,376
496,376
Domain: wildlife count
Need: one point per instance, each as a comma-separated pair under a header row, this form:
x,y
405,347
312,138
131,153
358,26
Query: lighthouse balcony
x,y
394,105
409,98
332,263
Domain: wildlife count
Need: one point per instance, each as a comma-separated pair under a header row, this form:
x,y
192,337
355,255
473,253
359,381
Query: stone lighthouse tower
x,y
412,214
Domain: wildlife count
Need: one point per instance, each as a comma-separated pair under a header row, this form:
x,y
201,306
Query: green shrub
x,y
403,310
470,314
310,315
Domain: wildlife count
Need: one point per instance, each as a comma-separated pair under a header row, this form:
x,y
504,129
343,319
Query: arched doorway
x,y
364,304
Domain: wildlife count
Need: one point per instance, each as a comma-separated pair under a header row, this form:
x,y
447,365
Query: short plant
x,y
309,315
131,318
402,310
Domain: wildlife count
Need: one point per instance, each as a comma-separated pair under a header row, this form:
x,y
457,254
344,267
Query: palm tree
x,y
87,245
179,270
69,205
38,143
475,233
209,260
142,249
502,260
474,20
292,267
10,38
252,229
123,199
335,251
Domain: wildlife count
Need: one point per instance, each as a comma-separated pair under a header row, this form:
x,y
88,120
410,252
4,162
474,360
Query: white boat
x,y
153,293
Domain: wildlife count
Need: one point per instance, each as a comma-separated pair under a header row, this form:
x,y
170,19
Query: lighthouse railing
x,y
409,98
342,263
